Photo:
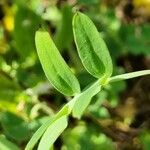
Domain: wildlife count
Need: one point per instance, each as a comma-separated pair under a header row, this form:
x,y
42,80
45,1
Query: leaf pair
x,y
92,51
95,58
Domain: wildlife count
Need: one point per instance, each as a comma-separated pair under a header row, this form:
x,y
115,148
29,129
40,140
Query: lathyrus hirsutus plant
x,y
96,59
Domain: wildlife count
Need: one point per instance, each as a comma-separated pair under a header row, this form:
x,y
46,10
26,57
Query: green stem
x,y
129,75
82,100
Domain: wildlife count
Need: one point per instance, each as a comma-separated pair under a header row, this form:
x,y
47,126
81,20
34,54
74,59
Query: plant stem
x,y
129,75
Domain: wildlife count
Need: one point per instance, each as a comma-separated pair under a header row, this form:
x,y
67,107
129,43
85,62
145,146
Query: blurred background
x,y
118,117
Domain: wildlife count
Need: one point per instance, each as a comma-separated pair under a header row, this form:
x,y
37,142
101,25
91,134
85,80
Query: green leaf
x,y
54,66
64,111
52,133
65,28
145,140
91,47
11,124
37,135
129,75
6,144
26,24
83,100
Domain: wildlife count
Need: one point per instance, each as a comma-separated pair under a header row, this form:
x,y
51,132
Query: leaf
x,y
91,47
37,135
52,133
64,111
145,140
129,75
11,124
26,23
84,99
54,66
6,144
65,28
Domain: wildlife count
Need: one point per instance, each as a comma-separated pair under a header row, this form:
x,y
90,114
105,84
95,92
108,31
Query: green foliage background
x,y
27,98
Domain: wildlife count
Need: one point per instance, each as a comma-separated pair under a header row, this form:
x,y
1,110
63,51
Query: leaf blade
x,y
37,135
54,66
91,47
52,133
